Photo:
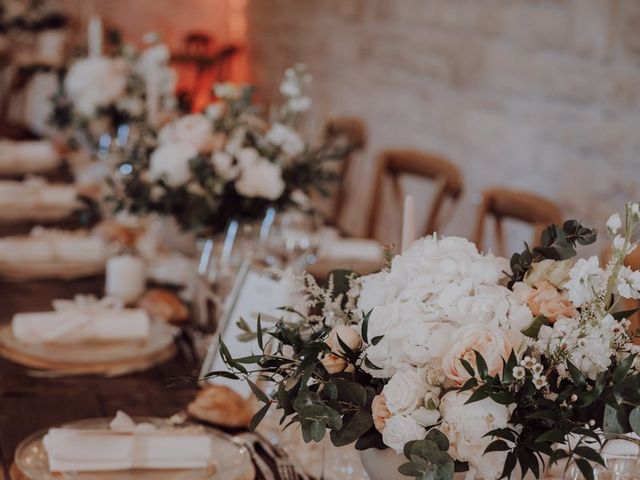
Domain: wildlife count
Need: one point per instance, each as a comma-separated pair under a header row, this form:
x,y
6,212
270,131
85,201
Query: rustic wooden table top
x,y
29,404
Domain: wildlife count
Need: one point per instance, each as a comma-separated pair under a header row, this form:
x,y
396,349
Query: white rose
x,y
224,165
285,138
195,130
465,426
400,430
405,392
171,162
426,417
259,177
95,82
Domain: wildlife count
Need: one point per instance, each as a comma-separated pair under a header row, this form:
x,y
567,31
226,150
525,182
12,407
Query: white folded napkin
x,y
126,446
35,198
79,321
27,156
350,249
48,245
172,269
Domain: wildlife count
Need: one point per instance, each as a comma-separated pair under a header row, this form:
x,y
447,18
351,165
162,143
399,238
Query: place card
x,y
254,293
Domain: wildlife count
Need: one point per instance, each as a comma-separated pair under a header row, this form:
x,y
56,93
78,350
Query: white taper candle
x,y
94,36
408,223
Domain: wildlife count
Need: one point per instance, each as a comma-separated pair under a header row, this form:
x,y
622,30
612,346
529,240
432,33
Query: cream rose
x,y
380,412
405,392
95,82
493,343
349,337
545,299
171,162
548,301
465,425
334,362
553,271
400,430
195,130
426,417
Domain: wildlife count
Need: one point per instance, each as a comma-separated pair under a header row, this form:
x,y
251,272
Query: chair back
x,y
352,132
394,163
526,207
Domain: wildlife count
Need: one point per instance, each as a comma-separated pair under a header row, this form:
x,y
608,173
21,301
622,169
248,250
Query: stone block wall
x,y
542,95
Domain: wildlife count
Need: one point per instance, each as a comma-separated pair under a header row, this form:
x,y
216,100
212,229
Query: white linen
x,y
27,157
350,249
78,325
35,198
46,245
172,269
122,448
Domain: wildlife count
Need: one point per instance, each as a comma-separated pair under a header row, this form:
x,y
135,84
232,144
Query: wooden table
x,y
29,404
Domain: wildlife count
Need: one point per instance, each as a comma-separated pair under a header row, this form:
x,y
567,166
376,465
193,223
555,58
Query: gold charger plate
x,y
229,461
22,271
91,357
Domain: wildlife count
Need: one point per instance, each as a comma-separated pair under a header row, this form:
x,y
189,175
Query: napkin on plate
x,y
125,446
47,245
81,320
34,198
17,158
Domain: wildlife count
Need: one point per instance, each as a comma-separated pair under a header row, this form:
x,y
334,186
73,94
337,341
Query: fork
x,y
286,469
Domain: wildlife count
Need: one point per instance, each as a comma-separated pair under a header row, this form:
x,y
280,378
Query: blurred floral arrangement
x,y
445,358
229,162
119,98
31,16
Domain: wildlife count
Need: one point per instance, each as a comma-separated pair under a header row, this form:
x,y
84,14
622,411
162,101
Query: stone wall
x,y
542,95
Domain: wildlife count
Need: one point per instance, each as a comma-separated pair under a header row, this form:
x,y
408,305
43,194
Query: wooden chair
x,y
394,163
350,131
526,207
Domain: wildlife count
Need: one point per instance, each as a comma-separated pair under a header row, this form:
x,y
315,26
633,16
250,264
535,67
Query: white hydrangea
x,y
431,290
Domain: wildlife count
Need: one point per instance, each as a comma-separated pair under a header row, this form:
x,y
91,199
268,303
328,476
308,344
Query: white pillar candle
x,y
94,36
126,278
408,223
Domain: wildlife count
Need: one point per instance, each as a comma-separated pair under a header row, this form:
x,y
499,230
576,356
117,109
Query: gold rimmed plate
x,y
229,461
90,357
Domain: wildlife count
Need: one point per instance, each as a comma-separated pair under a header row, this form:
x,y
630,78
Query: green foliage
x,y
428,458
556,243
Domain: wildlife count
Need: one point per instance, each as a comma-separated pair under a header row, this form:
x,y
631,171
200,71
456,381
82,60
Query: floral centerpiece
x,y
446,358
104,99
229,162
